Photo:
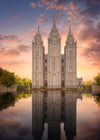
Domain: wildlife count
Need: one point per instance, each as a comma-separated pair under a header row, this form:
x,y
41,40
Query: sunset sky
x,y
18,24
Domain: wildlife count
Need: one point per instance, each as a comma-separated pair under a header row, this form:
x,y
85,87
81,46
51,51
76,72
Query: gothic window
x,y
71,79
45,60
54,51
45,69
62,69
54,64
54,79
71,64
62,60
37,79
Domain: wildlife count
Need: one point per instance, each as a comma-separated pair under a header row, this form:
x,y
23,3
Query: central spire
x,y
38,28
54,23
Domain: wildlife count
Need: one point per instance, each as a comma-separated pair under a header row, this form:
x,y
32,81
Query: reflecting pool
x,y
49,116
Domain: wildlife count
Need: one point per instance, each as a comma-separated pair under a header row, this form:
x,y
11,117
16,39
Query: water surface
x,y
49,116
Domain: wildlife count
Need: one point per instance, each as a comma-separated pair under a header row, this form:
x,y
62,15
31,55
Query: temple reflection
x,y
50,110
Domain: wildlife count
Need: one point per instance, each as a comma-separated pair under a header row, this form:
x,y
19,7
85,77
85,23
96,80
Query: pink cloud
x,y
9,38
30,34
33,5
72,6
9,53
54,5
42,19
39,4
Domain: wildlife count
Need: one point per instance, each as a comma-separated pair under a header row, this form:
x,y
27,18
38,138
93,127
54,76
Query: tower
x,y
37,61
70,61
54,58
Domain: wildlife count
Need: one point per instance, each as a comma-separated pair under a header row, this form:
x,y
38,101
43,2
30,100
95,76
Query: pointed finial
x,y
54,23
69,28
38,28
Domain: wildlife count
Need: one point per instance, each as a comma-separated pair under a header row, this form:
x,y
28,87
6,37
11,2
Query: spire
x,y
69,28
38,28
54,23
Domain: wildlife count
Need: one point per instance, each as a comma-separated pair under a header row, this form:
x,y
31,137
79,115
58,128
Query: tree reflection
x,y
97,99
8,99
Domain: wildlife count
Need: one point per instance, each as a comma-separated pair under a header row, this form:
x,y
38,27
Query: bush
x,y
87,85
97,79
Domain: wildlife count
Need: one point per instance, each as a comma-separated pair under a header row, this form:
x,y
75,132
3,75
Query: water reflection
x,y
8,99
53,109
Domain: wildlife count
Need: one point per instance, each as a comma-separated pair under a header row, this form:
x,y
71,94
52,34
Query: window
x,y
45,60
54,65
45,69
62,60
63,69
54,51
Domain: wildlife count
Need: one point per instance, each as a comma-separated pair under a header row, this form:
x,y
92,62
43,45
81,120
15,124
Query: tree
x,y
1,72
7,79
97,79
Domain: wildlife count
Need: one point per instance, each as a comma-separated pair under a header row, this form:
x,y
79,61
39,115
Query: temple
x,y
54,70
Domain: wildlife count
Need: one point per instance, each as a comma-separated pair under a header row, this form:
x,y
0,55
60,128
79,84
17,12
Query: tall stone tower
x,y
70,62
37,61
54,58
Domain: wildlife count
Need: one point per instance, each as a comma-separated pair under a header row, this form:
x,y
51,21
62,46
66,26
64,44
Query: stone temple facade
x,y
54,70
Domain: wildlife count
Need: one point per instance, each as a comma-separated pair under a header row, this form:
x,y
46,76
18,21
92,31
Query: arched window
x,y
71,78
54,79
54,65
54,51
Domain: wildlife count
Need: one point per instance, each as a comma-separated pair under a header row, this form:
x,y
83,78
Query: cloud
x,y
39,4
93,11
9,53
33,5
9,38
42,19
72,6
13,51
23,48
89,31
7,126
30,34
93,52
57,4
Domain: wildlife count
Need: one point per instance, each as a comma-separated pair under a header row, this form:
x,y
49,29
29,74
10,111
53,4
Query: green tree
x,y
7,79
97,79
1,72
23,81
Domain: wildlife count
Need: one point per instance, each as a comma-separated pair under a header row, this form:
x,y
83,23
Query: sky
x,y
19,20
